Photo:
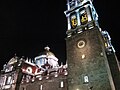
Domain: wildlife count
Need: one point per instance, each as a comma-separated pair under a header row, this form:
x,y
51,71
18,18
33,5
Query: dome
x,y
46,57
47,52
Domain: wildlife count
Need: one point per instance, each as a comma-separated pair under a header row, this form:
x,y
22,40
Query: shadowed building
x,y
92,63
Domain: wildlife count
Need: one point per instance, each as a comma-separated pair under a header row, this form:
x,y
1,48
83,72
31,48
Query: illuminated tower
x,y
92,63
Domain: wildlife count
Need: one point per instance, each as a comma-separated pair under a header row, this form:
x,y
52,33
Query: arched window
x,y
9,80
83,17
73,20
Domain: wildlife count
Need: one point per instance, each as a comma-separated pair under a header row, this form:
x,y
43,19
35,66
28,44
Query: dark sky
x,y
27,26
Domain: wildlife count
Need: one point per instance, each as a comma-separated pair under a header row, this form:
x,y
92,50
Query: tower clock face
x,y
73,21
81,44
83,17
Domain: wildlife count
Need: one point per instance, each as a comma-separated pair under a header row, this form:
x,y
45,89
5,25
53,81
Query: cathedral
x,y
91,60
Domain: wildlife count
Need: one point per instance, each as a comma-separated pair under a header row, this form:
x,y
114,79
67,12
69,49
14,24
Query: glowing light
x,y
56,75
7,86
33,80
86,80
83,56
40,78
47,77
27,81
23,70
66,73
62,84
41,87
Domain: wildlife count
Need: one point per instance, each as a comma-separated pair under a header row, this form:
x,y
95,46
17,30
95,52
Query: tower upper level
x,y
81,15
73,3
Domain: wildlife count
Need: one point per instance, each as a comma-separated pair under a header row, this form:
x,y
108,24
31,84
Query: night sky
x,y
27,26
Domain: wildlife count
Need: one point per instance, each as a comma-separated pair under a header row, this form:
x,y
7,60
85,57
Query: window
x,y
73,19
86,79
40,61
2,79
41,87
8,80
61,84
83,17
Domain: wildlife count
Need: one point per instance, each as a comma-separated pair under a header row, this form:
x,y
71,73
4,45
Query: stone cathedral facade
x,y
91,60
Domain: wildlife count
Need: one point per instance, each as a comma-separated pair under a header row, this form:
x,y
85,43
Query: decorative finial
x,y
47,48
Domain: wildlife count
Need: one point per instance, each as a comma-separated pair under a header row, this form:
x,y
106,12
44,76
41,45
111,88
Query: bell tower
x,y
92,63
